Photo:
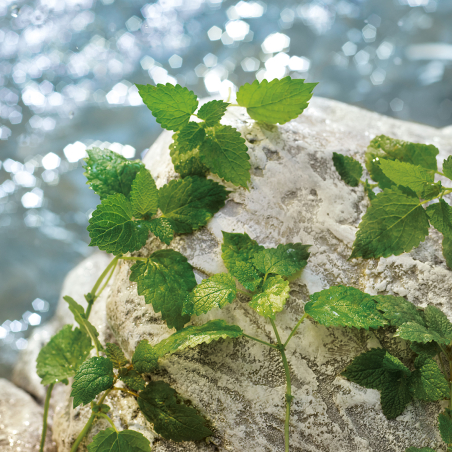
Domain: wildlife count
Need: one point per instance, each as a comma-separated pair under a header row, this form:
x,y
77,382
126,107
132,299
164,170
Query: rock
x,y
295,195
20,421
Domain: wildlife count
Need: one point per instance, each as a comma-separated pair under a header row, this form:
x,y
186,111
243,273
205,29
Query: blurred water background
x,y
67,74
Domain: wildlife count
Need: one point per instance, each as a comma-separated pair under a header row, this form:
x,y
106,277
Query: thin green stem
x,y
444,192
289,396
108,419
234,105
107,280
133,258
295,329
125,390
84,432
450,380
442,365
262,342
46,415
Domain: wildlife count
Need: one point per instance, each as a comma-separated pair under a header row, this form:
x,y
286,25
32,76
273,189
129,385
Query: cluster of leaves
x,y
396,220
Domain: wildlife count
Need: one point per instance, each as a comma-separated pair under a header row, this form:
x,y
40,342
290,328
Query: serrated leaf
x,y
191,336
110,440
214,292
225,153
162,228
132,379
144,196
165,280
395,396
427,382
275,292
85,325
145,357
62,356
344,306
348,168
191,202
171,105
186,159
172,420
212,112
116,355
440,215
445,427
393,224
93,377
238,251
398,310
277,101
417,333
447,250
113,229
437,321
109,173
393,364
285,260
447,167
429,349
191,136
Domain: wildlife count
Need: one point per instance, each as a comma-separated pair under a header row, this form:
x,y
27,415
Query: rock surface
x,y
295,195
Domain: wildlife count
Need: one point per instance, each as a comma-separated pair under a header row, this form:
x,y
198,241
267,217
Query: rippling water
x,y
67,75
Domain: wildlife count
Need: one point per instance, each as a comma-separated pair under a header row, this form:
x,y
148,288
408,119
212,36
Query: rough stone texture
x,y
295,195
20,421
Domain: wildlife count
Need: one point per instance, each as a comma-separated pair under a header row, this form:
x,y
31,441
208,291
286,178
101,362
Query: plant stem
x,y
108,419
84,432
295,329
289,396
125,390
262,342
46,415
243,292
133,258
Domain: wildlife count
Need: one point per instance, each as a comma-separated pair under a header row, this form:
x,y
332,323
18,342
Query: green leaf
x,y
277,101
417,333
85,325
94,376
427,381
445,427
447,251
116,355
285,260
145,358
393,364
225,153
162,228
62,356
447,167
191,336
398,310
172,420
171,105
144,196
429,349
275,292
165,280
132,379
103,408
417,449
395,396
348,168
344,306
109,173
212,112
113,229
440,215
110,440
191,202
437,321
214,292
238,251
368,190
393,224
191,136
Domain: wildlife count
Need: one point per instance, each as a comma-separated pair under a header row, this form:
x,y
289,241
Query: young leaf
x,y
113,229
165,280
447,250
132,379
61,357
85,325
144,196
116,355
277,101
191,336
145,358
348,168
214,292
285,260
344,306
172,420
445,427
398,310
94,376
395,396
393,224
171,105
186,158
275,292
162,228
447,167
191,202
440,215
109,173
110,440
212,112
238,251
427,381
225,153
191,136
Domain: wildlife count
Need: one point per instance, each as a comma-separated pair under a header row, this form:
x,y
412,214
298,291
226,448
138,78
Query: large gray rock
x,y
295,195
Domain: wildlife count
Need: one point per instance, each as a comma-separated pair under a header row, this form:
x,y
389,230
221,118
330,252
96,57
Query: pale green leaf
x,y
110,440
437,321
185,155
212,112
144,196
417,333
348,168
116,355
447,167
440,215
275,292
